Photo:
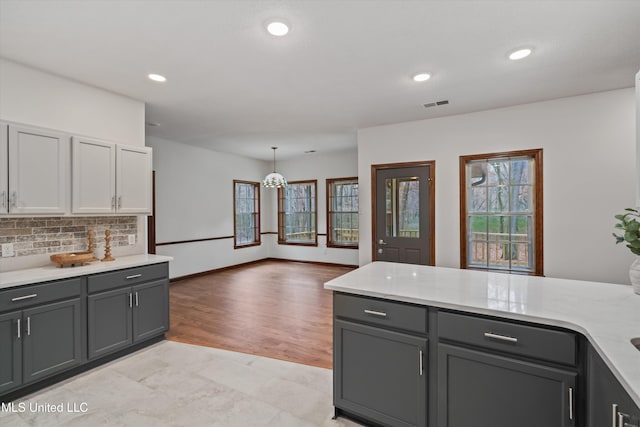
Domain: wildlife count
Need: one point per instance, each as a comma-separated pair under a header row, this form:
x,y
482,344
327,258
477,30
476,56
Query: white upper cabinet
x,y
93,176
4,169
38,165
110,178
133,180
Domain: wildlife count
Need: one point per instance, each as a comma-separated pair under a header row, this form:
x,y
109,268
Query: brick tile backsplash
x,y
50,235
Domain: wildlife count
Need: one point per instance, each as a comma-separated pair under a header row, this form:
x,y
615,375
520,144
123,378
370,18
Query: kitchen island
x,y
569,325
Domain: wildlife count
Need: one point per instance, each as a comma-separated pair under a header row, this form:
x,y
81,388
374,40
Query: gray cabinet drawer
x,y
381,312
25,296
127,277
530,341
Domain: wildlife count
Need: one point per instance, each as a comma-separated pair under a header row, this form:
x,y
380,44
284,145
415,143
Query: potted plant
x,y
629,223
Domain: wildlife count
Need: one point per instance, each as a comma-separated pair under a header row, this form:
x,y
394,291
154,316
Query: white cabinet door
x,y
93,176
38,171
4,169
133,180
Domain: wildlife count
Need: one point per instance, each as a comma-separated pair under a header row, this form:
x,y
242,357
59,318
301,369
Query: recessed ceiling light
x,y
157,78
519,54
277,28
421,77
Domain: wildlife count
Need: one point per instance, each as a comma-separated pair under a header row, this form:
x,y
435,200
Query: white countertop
x,y
607,314
29,276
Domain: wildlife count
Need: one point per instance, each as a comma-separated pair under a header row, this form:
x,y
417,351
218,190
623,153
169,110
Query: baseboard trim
x,y
244,264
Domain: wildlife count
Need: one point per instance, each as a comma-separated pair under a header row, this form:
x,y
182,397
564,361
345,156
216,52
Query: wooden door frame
x,y
151,219
432,202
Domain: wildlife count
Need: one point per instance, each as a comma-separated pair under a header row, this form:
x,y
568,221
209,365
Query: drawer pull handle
x,y
24,297
614,415
130,300
421,363
376,313
135,276
500,337
29,326
137,305
19,327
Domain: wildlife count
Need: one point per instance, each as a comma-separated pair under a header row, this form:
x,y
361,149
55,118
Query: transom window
x,y
342,213
501,209
246,207
297,215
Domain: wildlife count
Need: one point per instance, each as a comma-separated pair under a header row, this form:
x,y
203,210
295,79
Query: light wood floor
x,y
277,309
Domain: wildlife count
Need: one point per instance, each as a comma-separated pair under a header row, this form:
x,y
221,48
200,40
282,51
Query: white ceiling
x,y
346,64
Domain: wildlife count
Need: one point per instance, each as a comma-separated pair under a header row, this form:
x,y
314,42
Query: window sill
x,y
247,245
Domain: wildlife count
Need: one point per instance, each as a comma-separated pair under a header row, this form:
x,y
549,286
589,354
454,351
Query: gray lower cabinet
x,y
609,404
476,388
380,361
123,316
10,351
380,374
39,342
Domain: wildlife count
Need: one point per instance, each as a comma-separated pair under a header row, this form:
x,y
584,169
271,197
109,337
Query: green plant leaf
x,y
631,210
635,244
621,216
633,225
634,250
618,225
630,236
619,239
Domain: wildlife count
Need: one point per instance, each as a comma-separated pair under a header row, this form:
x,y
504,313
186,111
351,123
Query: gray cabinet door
x,y
151,310
379,374
481,389
52,339
10,351
604,392
109,321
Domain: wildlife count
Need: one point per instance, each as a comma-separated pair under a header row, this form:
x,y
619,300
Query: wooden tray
x,y
72,258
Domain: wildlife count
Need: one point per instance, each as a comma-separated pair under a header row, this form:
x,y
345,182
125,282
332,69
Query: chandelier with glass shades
x,y
274,179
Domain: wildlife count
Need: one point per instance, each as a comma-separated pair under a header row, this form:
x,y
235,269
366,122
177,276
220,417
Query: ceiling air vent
x,y
436,104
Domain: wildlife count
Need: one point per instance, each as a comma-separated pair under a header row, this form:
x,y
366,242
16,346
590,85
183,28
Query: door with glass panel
x,y
403,213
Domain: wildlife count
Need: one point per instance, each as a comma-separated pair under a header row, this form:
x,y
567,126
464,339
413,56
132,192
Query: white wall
x,y
320,166
589,174
194,200
37,98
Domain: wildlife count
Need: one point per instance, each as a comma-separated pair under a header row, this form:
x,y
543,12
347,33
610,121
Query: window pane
x,y
342,212
477,199
520,171
403,207
521,198
498,199
498,172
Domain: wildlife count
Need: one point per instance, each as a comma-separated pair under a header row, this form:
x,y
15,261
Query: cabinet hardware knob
x,y
500,337
23,297
376,313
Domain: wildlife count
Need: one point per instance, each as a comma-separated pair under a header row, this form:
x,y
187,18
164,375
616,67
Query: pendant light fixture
x,y
274,179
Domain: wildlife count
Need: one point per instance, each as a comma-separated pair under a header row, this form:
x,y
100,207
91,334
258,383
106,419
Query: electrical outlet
x,y
7,250
132,239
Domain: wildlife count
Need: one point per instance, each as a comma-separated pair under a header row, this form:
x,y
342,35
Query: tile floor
x,y
175,384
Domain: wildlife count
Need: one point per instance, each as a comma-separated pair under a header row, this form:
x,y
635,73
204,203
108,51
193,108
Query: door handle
x,y
382,242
